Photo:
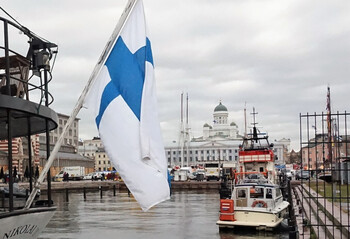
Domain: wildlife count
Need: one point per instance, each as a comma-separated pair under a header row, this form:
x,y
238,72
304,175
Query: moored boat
x,y
256,199
22,117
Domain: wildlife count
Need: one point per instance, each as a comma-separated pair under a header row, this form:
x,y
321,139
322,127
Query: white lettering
x,y
26,229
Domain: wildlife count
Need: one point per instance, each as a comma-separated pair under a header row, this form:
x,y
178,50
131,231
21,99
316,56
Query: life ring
x,y
259,203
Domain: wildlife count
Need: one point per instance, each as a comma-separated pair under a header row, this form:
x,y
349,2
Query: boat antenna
x,y
255,131
245,119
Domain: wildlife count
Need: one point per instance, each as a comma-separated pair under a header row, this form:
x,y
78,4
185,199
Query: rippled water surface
x,y
185,215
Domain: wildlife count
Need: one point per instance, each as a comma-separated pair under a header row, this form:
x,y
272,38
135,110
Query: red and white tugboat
x,y
256,200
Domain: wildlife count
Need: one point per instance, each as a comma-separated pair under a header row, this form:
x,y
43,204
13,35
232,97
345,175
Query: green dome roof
x,y
233,124
220,107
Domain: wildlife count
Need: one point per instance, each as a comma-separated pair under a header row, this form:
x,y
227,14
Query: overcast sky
x,y
277,56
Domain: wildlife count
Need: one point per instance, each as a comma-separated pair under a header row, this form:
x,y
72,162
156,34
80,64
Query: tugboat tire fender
x,y
260,203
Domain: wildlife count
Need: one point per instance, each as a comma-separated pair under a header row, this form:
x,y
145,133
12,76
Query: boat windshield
x,y
278,192
257,192
268,193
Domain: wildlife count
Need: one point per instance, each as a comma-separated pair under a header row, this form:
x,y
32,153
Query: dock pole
x,y
292,220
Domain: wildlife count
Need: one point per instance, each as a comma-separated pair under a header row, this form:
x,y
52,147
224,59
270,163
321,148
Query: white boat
x,y
25,223
23,118
255,203
255,200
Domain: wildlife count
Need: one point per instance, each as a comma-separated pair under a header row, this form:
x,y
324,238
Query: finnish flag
x,y
124,101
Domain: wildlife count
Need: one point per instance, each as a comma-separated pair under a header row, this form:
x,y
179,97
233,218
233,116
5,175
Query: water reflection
x,y
186,215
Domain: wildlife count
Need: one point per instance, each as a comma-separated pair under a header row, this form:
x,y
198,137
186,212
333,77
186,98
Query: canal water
x,y
185,215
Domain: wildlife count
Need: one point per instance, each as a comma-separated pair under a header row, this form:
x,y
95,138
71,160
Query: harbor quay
x,y
78,186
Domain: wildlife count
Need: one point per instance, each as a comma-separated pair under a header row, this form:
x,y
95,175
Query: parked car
x,y
303,174
89,176
93,176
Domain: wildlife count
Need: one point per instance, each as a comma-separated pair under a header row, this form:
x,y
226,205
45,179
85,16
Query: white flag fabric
x,y
124,99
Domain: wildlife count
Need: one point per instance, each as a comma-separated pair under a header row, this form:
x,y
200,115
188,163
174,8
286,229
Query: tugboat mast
x,y
255,131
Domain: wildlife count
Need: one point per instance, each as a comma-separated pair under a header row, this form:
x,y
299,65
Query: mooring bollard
x,y
114,190
101,192
67,197
84,190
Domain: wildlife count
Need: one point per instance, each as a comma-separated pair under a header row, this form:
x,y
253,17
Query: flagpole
x,y
116,33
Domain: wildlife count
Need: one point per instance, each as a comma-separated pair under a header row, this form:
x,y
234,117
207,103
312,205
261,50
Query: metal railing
x,y
324,191
21,75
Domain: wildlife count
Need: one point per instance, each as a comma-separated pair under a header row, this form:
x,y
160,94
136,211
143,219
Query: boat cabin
x,y
256,193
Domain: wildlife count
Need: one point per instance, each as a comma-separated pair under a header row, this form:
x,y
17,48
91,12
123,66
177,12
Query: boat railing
x,y
17,71
241,176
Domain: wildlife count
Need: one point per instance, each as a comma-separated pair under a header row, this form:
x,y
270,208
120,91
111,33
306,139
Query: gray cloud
x,y
277,56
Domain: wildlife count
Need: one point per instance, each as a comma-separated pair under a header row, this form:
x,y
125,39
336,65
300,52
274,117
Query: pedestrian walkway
x,y
333,211
326,219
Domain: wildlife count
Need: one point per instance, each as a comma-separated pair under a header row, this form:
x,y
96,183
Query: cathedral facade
x,y
219,143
